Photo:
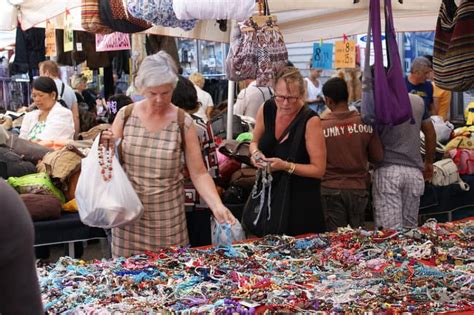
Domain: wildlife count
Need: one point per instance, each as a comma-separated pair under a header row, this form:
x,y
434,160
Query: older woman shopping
x,y
50,121
152,151
273,138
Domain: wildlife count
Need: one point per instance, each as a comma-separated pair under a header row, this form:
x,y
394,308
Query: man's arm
x,y
430,147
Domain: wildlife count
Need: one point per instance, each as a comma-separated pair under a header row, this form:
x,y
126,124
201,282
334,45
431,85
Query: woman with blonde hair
x,y
273,138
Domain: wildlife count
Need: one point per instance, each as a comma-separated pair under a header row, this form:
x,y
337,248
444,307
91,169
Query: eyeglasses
x,y
281,98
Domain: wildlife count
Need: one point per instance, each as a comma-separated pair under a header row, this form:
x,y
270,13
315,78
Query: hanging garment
x,y
213,9
90,19
453,53
159,12
114,14
30,50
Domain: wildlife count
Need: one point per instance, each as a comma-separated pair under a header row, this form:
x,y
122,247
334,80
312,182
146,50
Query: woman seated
x,y
50,121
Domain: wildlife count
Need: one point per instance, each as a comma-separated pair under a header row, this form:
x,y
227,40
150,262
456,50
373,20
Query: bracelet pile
x,y
429,269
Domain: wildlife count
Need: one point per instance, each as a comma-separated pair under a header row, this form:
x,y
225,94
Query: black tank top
x,y
306,215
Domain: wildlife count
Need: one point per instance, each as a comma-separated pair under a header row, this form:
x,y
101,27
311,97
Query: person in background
x,y
273,118
418,84
251,98
86,101
152,150
50,69
350,145
19,288
441,98
50,121
313,87
83,94
204,98
115,103
398,180
198,213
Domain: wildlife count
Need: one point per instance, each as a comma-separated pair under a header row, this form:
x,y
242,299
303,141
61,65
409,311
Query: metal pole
x,y
230,109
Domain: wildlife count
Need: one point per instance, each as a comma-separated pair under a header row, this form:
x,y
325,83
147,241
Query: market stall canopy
x,y
299,20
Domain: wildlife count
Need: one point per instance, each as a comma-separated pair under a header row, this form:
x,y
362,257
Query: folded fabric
x,y
213,9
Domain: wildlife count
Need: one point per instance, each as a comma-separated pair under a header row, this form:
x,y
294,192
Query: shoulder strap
x,y
62,90
181,127
127,112
293,123
300,129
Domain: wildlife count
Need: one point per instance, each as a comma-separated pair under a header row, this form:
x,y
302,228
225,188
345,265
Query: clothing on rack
x,y
218,88
29,50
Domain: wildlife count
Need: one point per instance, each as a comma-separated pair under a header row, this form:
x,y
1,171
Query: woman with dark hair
x,y
185,97
115,103
50,121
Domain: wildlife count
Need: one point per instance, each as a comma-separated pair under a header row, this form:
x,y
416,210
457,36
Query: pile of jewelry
x,y
429,269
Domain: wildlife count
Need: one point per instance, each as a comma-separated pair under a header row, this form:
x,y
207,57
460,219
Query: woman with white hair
x,y
152,151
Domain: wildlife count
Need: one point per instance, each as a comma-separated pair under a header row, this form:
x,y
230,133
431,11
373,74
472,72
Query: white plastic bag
x,y
105,204
226,234
213,9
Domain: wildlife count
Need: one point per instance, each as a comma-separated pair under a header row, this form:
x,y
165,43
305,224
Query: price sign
x,y
345,54
50,39
322,56
68,32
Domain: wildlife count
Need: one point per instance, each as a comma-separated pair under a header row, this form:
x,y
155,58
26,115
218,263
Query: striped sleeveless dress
x,y
153,163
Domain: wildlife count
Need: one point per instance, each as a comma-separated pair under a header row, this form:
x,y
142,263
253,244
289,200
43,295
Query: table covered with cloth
x,y
429,269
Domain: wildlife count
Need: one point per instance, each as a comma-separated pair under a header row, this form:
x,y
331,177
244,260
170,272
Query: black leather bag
x,y
236,150
268,207
219,126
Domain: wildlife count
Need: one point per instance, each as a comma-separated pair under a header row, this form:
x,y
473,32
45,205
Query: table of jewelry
x,y
429,269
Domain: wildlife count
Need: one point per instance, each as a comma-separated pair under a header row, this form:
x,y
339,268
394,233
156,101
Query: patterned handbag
x,y
453,53
272,54
115,14
90,19
159,12
259,51
242,58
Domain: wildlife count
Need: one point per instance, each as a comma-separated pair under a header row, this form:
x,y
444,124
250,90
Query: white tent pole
x,y
230,108
230,89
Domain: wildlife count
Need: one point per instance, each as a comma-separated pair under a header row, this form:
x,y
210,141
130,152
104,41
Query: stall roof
x,y
299,20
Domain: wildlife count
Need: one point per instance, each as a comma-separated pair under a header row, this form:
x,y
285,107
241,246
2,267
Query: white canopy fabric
x,y
299,20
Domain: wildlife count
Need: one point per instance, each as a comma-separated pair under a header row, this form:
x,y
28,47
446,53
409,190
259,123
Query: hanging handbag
x,y
268,206
453,52
272,54
385,98
159,12
114,14
213,9
90,19
242,58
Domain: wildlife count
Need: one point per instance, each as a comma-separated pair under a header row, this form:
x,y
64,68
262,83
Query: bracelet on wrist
x,y
291,168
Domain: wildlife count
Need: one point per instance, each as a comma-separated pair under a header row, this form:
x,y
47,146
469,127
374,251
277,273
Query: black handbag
x,y
268,206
